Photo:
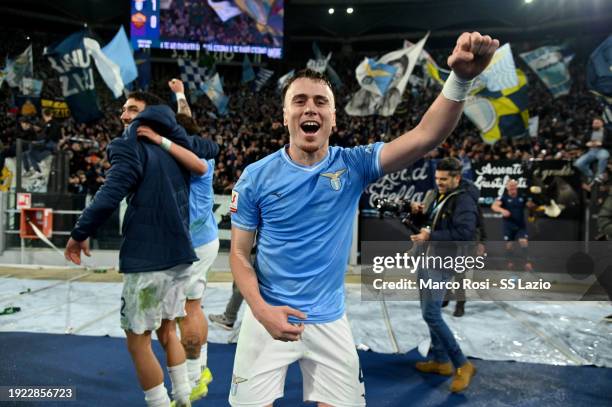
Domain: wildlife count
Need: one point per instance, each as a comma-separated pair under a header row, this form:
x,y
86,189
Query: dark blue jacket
x,y
156,223
458,216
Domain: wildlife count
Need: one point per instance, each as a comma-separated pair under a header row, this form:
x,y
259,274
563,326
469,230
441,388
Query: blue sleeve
x,y
243,206
365,160
203,148
124,174
200,146
463,225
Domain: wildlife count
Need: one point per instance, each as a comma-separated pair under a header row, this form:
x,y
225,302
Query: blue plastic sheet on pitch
x,y
100,370
567,333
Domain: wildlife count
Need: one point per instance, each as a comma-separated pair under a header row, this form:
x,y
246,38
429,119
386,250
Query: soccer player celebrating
x,y
156,251
301,201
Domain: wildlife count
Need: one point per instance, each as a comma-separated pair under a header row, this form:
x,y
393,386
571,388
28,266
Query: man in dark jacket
x,y
156,251
459,294
420,212
453,216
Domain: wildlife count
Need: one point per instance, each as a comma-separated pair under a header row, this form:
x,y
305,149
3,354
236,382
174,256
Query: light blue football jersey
x,y
304,220
202,224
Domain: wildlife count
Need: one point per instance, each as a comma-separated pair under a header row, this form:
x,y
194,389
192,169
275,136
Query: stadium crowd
x,y
199,23
252,128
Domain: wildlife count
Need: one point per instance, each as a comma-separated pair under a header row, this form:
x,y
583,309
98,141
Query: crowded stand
x,y
251,129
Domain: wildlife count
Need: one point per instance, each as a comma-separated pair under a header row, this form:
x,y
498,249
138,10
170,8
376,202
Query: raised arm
x,y
274,319
184,157
470,57
177,87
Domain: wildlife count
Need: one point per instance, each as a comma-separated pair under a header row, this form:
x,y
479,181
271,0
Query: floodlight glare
x,y
331,11
349,10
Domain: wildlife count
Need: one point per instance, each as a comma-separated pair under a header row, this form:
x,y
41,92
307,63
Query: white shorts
x,y
151,296
207,253
326,354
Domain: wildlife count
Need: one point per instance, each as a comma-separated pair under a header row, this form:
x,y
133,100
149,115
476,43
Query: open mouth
x,y
310,127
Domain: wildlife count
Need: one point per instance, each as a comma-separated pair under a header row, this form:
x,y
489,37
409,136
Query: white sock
x,y
180,383
204,356
157,396
193,370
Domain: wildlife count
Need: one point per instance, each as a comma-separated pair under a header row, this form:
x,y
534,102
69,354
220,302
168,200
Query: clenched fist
x,y
472,54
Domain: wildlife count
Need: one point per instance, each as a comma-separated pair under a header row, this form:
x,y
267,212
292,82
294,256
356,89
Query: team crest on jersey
x,y
235,382
234,202
334,178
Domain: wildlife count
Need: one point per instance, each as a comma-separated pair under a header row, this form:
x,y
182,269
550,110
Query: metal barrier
x,y
55,232
66,209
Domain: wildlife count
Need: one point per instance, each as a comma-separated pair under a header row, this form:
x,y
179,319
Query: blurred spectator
x,y
597,151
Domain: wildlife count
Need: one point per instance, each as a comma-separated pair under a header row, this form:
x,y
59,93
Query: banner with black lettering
x,y
410,184
73,62
491,178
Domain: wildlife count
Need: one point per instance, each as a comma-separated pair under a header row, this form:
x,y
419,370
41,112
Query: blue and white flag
x,y
365,103
192,74
20,67
599,70
283,79
31,87
262,78
108,70
319,64
375,77
329,70
213,88
334,77
120,52
248,74
501,72
550,66
73,62
224,9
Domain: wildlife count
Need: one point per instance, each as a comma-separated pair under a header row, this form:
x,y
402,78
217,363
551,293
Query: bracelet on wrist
x,y
165,144
455,88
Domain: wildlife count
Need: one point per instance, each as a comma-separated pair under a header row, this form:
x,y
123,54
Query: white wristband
x,y
179,96
165,144
455,88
